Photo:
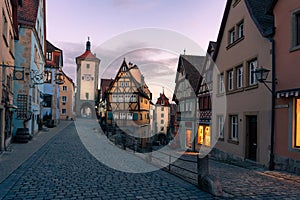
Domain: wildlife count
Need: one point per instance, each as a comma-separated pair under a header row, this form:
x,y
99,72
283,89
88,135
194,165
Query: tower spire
x,y
88,44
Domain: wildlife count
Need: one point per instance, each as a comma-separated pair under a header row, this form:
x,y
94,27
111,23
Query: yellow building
x,y
67,101
129,101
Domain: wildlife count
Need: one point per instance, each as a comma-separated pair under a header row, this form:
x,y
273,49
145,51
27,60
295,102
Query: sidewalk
x,y
18,153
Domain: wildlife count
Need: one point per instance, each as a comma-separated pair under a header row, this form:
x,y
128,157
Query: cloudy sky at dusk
x,y
150,34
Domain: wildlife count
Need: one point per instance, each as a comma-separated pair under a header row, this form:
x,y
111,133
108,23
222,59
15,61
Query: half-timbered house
x,y
128,104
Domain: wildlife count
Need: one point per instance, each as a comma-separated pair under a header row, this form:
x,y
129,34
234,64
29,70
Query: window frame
x,y
221,88
295,30
239,77
231,36
239,30
220,122
230,75
251,72
234,133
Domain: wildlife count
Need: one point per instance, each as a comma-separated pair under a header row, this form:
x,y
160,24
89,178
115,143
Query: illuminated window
x,y
200,134
207,136
188,140
297,124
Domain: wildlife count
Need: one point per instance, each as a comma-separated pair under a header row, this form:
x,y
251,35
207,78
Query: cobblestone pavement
x,y
64,169
244,182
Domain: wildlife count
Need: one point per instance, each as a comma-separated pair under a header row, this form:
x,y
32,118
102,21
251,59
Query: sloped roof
x,y
258,10
162,98
27,14
71,80
105,84
193,65
50,47
87,55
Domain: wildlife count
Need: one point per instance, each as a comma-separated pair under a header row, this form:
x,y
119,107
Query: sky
x,y
151,34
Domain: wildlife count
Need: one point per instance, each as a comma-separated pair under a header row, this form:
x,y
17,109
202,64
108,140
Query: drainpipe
x,y
272,164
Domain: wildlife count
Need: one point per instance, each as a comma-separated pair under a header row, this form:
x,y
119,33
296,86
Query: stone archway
x,y
87,110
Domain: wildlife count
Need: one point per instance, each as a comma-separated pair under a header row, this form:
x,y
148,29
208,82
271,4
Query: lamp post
x,y
261,76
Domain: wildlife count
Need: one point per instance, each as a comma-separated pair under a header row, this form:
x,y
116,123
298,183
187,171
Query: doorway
x,y
251,137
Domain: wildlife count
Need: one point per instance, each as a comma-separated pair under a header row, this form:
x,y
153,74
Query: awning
x,y
288,93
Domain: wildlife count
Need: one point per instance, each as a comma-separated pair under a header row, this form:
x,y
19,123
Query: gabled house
x,y
128,104
187,79
204,93
242,47
51,102
287,87
161,117
30,62
67,98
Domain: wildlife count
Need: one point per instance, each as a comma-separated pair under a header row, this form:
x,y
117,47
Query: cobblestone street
x,y
68,167
64,169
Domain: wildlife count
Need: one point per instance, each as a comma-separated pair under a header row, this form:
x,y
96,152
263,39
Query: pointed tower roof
x,y
87,55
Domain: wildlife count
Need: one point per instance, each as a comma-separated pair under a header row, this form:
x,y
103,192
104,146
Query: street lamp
x,y
261,75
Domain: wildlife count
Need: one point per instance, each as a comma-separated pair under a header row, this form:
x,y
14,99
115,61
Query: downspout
x,y
272,164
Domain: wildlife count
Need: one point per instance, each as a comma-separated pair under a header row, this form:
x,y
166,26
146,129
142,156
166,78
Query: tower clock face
x,y
19,75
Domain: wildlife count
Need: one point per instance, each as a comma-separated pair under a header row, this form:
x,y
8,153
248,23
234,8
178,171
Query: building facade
x,y
242,47
67,99
9,32
87,83
29,62
51,96
187,80
161,117
128,104
287,87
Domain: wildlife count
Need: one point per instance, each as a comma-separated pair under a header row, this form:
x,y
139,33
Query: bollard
x,y
207,182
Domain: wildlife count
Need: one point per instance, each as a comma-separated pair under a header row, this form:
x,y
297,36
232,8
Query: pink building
x,y
287,106
242,47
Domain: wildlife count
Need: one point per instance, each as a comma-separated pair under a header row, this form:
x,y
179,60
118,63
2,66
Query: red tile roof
x,y
87,55
27,14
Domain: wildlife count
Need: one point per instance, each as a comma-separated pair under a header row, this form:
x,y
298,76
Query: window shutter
x,y
135,116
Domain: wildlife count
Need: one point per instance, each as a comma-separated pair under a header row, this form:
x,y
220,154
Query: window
x,y
114,98
120,98
230,80
49,56
65,88
240,30
234,127
162,121
221,83
116,115
295,29
4,27
239,77
87,96
87,66
220,119
141,116
162,115
162,108
231,36
127,97
64,99
297,124
162,128
11,43
122,115
64,111
133,98
252,67
129,116
48,76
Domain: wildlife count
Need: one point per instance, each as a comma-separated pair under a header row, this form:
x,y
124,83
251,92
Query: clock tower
x,y
87,82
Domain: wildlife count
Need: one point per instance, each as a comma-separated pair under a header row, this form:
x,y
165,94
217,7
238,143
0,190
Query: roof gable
x,y
258,10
